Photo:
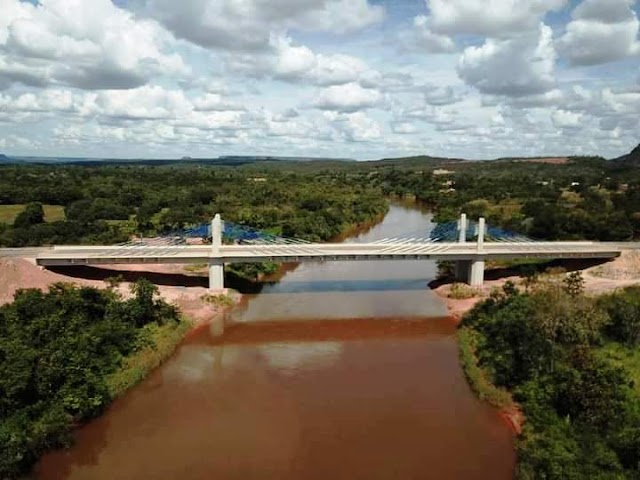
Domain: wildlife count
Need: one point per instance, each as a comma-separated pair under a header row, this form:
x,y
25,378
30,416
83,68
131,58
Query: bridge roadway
x,y
469,257
186,254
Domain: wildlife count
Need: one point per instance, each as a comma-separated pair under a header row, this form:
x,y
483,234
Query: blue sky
x,y
338,78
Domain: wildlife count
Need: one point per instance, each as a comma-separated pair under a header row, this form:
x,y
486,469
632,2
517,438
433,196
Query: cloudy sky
x,y
361,79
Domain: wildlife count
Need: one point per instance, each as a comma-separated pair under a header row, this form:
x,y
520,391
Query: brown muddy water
x,y
340,370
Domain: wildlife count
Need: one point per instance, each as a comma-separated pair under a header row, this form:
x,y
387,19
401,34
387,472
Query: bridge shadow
x,y
292,331
158,278
231,280
527,269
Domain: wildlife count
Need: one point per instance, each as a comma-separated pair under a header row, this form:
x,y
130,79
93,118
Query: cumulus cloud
x,y
286,61
566,120
90,45
601,31
356,126
350,97
424,38
490,18
248,24
516,66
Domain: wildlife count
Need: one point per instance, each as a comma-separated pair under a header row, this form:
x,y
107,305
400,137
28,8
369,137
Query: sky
x,y
361,79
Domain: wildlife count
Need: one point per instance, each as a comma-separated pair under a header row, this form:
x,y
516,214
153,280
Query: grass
x,y
460,291
626,357
163,341
219,300
480,384
52,213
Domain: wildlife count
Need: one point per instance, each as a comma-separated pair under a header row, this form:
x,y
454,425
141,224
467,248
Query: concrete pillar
x,y
462,228
216,266
481,231
216,233
216,274
476,273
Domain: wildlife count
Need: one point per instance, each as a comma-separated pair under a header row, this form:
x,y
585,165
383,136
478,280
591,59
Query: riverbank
x,y
618,273
184,287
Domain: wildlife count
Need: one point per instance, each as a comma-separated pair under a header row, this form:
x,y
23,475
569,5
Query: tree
x,y
574,284
33,214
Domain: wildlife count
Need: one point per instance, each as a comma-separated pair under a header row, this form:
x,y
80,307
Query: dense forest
x,y
106,204
571,363
584,198
575,198
62,355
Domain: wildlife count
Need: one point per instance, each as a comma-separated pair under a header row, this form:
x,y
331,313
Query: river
x,y
339,370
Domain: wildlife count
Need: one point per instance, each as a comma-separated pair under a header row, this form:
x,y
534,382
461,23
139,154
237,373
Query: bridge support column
x,y
216,275
216,266
476,273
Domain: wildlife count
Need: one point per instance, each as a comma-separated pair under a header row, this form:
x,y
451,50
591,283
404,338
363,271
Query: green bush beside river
x,y
569,361
66,354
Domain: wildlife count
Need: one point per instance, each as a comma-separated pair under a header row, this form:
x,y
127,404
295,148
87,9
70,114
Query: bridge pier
x,y
470,271
476,273
216,266
216,275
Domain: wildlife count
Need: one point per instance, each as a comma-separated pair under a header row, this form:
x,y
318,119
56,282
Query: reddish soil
x,y
619,273
183,288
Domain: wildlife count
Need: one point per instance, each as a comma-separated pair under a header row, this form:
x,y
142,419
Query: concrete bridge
x,y
469,257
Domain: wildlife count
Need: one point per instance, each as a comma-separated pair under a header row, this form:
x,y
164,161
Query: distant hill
x,y
4,158
630,159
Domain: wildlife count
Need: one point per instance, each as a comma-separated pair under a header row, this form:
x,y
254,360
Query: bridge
x,y
474,243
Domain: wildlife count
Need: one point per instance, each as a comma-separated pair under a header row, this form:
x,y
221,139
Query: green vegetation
x,y
65,354
483,388
105,204
566,359
462,291
585,198
219,300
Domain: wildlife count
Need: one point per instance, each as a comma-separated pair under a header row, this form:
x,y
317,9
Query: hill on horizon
x,y
630,159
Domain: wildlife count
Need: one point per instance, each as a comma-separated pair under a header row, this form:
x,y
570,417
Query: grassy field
x,y
52,213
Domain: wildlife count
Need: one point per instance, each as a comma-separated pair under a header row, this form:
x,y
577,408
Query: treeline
x,y
550,346
107,204
583,199
58,351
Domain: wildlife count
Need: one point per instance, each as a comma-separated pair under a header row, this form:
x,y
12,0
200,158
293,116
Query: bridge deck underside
x,y
100,255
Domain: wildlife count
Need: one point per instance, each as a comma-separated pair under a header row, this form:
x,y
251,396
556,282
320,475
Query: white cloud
x,y
148,102
601,31
248,24
404,128
566,120
440,96
84,44
423,37
299,64
516,66
355,127
491,18
215,102
347,98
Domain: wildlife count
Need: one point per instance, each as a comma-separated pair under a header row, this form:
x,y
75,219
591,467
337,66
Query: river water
x,y
340,370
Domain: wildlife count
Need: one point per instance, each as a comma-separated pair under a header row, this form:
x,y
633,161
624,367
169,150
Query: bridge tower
x,y
471,271
216,266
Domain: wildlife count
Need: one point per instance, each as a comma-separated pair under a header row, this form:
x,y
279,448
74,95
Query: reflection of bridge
x,y
469,256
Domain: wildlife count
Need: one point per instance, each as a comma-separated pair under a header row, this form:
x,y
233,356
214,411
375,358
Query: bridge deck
x,y
96,255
